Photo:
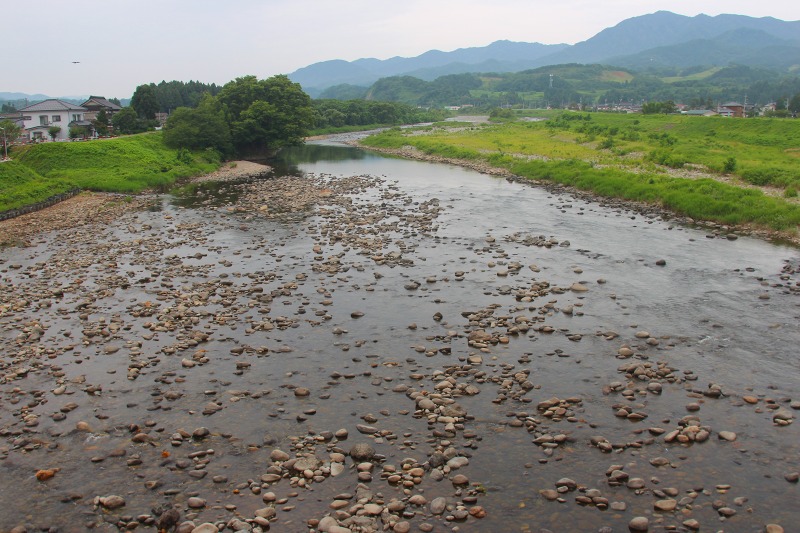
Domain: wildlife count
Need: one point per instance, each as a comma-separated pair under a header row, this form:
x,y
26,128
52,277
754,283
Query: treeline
x,y
332,114
249,115
169,95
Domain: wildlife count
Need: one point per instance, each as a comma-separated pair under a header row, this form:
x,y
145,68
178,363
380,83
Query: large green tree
x,y
266,114
794,104
199,128
144,101
127,121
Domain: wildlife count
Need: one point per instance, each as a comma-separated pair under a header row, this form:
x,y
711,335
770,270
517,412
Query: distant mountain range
x,y
655,41
8,97
20,100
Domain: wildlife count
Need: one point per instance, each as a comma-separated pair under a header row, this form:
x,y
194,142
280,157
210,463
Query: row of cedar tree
x,y
249,115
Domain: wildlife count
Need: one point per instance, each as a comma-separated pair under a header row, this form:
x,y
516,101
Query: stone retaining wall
x,y
13,213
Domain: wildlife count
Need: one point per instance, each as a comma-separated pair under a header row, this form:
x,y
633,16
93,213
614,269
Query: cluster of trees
x,y
652,108
152,98
337,113
246,116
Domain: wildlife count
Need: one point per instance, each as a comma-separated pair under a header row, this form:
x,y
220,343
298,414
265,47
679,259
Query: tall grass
x,y
703,199
21,186
125,164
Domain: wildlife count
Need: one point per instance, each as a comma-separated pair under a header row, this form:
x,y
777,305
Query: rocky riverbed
x,y
316,353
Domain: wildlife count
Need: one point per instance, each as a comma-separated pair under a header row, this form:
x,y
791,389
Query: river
x,y
579,365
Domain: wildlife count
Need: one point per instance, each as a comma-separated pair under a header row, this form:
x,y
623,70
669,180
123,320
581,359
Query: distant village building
x,y
700,113
37,119
620,107
769,108
95,104
731,109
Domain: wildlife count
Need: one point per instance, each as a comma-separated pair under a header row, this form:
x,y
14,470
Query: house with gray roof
x,y
38,118
95,104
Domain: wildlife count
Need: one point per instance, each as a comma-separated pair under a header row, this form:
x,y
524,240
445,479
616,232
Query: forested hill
x,y
654,43
574,84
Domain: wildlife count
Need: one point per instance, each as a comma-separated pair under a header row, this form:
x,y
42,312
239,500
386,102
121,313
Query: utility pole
x,y
5,145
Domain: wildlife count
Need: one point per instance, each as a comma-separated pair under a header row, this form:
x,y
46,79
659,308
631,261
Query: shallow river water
x,y
577,365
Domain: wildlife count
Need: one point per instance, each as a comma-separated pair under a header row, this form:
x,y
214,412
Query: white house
x,y
38,118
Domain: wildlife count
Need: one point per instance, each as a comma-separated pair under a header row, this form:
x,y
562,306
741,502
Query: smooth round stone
x,y
362,452
208,527
427,404
196,503
373,509
438,505
112,502
640,523
401,527
635,483
417,499
692,524
278,455
773,528
460,479
729,436
665,505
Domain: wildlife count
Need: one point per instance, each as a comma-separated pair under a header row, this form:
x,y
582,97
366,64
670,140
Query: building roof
x,y
52,105
102,102
732,104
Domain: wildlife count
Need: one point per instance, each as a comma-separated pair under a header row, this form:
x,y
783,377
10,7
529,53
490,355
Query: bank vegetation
x,y
740,172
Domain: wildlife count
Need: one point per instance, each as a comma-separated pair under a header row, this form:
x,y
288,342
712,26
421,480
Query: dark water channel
x,y
716,312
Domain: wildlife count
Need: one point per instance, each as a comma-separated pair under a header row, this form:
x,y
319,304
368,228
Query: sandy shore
x,y
233,171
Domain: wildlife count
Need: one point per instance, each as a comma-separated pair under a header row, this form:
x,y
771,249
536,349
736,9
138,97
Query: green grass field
x,y
126,164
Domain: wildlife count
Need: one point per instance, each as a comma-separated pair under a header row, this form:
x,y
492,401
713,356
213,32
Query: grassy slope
x,y
125,164
762,147
21,186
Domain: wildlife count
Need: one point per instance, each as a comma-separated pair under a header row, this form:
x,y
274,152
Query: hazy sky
x,y
123,43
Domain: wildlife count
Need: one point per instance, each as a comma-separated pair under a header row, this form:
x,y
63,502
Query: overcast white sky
x,y
123,43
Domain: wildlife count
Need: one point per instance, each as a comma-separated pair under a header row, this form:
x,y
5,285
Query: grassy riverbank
x,y
703,168
126,164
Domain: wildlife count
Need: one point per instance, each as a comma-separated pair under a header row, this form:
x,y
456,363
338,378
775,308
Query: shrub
x,y
730,165
606,143
667,158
